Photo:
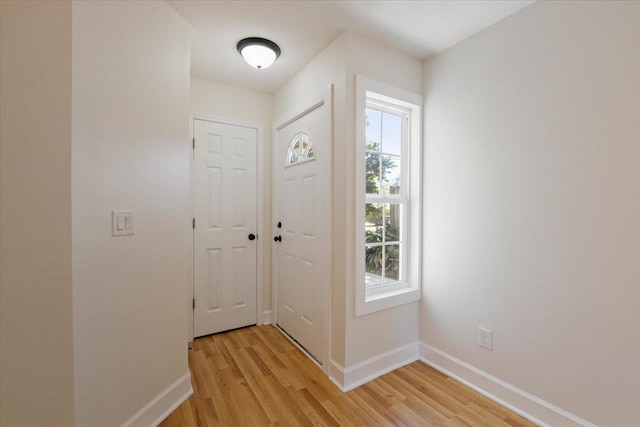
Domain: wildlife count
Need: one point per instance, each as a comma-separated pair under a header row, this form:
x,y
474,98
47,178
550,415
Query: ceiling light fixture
x,y
258,52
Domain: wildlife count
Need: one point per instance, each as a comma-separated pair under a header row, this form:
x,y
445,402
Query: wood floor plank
x,y
363,400
414,400
229,352
360,413
433,395
338,412
222,415
407,414
378,394
374,405
312,409
259,363
238,339
288,412
200,374
231,397
257,377
256,382
455,390
288,374
476,417
182,416
205,412
515,420
457,422
387,388
315,380
496,410
267,356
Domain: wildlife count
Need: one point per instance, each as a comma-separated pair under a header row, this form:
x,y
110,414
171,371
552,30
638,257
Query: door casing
x,y
260,315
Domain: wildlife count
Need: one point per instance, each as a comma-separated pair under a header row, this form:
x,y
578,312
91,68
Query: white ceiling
x,y
303,28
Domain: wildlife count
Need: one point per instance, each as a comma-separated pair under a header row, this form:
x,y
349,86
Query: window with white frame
x,y
388,196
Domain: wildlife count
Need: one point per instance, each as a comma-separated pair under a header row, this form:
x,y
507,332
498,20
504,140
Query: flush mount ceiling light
x,y
259,53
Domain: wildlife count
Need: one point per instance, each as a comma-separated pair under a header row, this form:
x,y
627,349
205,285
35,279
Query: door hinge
x,y
193,141
194,303
194,223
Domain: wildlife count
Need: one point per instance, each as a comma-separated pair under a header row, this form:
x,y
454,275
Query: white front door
x,y
303,218
225,248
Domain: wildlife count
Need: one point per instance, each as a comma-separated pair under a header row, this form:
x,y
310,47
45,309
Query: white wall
x,y
532,190
221,100
131,150
353,340
311,82
377,333
36,341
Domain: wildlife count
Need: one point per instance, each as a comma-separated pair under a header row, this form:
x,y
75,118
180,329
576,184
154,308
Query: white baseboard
x,y
266,317
163,404
519,401
354,376
336,374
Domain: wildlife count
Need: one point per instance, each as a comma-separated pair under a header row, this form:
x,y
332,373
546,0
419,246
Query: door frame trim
x,y
259,127
324,97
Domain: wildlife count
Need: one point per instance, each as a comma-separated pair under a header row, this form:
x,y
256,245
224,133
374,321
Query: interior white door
x,y
303,213
225,249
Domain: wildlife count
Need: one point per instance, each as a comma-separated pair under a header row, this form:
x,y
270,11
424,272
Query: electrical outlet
x,y
485,339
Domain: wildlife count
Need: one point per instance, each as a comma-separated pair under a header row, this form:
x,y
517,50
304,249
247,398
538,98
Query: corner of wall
x,y
130,150
163,404
378,62
519,401
367,370
36,326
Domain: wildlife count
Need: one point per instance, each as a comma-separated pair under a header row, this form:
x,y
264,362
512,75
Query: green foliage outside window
x,y
374,215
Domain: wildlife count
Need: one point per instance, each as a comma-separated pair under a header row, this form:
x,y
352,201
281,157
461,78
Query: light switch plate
x,y
122,223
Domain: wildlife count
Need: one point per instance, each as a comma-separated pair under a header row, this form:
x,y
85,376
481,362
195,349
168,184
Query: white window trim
x,y
409,290
402,198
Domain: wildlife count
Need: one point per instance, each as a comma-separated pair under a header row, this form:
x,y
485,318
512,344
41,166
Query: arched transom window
x,y
300,149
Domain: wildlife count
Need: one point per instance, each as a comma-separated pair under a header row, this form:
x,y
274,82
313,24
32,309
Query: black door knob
x,y
252,236
279,224
277,239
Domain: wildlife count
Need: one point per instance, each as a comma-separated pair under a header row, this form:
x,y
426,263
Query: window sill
x,y
385,300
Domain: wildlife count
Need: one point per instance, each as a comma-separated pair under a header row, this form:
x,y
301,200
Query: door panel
x,y
303,206
225,260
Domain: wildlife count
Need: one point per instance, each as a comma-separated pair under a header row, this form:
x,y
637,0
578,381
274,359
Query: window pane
x,y
300,149
373,173
392,263
373,222
392,222
391,134
373,265
390,175
373,129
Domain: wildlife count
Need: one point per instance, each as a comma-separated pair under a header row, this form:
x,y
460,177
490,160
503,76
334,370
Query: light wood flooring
x,y
256,377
